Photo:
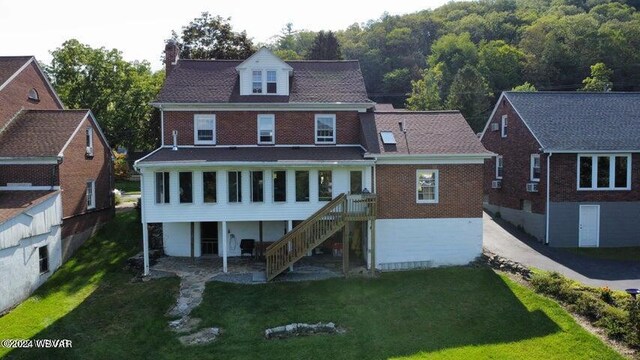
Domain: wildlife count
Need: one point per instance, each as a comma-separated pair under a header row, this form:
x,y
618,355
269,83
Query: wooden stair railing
x,y
307,235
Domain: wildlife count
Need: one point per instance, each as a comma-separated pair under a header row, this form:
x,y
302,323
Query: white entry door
x,y
589,226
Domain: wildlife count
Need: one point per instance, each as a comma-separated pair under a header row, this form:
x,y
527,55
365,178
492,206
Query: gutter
x,y
546,236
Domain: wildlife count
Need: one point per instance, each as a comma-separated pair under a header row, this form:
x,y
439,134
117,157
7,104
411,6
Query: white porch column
x,y
289,228
224,246
145,247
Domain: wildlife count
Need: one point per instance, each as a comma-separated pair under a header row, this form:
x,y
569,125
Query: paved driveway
x,y
505,240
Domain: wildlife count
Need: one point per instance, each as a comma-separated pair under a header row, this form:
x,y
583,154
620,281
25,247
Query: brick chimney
x,y
171,53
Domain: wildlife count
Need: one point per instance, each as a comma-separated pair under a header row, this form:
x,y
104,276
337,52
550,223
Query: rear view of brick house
x,y
567,168
55,179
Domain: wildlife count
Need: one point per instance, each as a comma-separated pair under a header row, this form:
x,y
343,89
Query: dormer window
x,y
257,82
272,82
33,95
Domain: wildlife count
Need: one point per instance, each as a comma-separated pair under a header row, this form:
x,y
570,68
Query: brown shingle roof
x,y
428,132
216,81
13,203
258,154
9,65
35,133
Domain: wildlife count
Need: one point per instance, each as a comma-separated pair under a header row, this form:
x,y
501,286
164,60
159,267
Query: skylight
x,y
387,138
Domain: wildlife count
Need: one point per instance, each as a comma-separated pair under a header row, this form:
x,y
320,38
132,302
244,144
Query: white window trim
x,y
436,191
499,157
197,117
89,135
333,119
155,188
504,123
531,167
594,172
266,82
262,89
91,184
272,118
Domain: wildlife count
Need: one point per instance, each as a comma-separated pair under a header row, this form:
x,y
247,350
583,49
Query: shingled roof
x,y
298,154
216,81
39,133
9,65
581,121
427,133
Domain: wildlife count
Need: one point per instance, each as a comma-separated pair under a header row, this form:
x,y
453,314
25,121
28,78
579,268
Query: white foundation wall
x,y
177,236
20,266
415,243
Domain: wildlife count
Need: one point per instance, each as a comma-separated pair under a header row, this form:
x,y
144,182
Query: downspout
x,y
161,126
546,236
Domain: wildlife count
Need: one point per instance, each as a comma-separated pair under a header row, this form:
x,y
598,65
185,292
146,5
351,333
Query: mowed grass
x,y
128,186
620,254
447,313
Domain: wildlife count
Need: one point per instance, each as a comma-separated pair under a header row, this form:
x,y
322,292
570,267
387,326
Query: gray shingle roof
x,y
580,121
428,132
261,154
216,81
9,65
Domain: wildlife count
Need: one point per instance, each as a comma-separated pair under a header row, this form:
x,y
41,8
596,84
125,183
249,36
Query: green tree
x,y
425,92
501,64
116,91
211,37
452,52
600,79
526,87
470,94
325,47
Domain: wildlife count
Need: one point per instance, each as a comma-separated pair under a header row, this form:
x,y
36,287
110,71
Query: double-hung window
x,y
91,194
162,188
89,141
427,186
604,172
499,166
325,129
503,126
534,171
256,81
204,129
266,129
272,82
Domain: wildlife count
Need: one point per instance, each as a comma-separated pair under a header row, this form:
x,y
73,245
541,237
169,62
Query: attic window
x,y
272,82
256,82
33,95
387,138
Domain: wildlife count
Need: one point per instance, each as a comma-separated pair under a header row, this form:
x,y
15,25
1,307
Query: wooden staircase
x,y
325,222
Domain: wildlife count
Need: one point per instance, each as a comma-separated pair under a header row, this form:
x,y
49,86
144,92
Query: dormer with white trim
x,y
263,73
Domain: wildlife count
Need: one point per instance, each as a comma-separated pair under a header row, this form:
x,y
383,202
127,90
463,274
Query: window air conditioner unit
x,y
496,184
532,187
89,151
495,126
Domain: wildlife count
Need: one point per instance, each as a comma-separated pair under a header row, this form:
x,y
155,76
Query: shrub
x,y
120,166
588,306
555,285
614,322
633,325
607,296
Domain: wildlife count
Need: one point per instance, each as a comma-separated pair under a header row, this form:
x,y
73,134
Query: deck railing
x,y
318,228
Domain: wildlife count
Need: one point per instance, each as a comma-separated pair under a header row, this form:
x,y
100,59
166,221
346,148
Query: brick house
x,y
567,166
251,149
55,179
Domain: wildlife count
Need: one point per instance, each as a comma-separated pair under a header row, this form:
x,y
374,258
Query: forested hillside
x,y
465,53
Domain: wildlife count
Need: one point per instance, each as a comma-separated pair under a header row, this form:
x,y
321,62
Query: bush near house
x,y
614,311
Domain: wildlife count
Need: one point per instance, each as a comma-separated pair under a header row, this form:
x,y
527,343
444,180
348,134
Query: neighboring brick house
x,y
251,148
55,179
586,146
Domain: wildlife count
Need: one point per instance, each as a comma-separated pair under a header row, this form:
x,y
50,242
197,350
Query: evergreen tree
x,y
470,94
325,47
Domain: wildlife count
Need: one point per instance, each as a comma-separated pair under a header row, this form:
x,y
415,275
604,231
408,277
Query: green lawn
x,y
624,253
449,313
130,187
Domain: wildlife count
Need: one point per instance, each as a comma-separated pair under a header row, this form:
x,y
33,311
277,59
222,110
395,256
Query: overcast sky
x,y
138,28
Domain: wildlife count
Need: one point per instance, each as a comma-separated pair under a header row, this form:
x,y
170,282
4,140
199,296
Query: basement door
x,y
589,226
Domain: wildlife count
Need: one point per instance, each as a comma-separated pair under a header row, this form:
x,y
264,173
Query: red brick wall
x,y
240,127
460,192
564,186
37,175
76,169
516,150
15,95
78,224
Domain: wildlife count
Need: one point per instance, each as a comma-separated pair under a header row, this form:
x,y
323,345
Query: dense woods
x,y
458,56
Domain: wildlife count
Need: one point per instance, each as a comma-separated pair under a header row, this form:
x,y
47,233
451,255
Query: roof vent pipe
x,y
175,140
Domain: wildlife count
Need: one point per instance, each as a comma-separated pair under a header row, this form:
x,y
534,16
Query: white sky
x,y
138,28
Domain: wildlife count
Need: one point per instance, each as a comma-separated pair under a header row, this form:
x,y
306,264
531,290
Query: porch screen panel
x,y
209,183
257,186
302,186
324,185
279,186
186,187
235,186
